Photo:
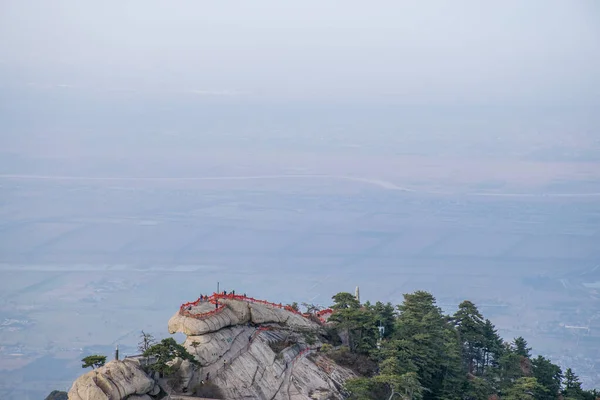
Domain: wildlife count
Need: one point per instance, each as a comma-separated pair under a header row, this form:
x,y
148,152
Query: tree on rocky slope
x,y
164,353
93,361
311,308
356,322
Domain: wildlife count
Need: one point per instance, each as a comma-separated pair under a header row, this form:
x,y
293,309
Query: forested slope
x,y
423,354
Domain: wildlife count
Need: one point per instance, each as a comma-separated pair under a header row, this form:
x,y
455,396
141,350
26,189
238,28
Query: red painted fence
x,y
324,314
185,308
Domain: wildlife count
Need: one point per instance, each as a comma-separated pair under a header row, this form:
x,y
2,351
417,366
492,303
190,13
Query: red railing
x,y
185,308
324,314
253,300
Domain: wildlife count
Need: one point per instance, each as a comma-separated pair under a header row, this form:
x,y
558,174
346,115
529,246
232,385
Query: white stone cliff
x,y
115,380
246,348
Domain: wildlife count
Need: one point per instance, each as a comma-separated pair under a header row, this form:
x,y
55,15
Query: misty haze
x,y
294,150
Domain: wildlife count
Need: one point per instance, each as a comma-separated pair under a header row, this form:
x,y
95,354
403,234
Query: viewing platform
x,y
211,313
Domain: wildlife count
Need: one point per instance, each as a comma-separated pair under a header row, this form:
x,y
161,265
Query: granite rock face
x,y
248,350
237,313
115,380
265,354
260,373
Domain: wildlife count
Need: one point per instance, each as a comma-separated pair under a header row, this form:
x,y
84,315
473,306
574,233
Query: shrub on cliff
x,y
94,361
166,351
359,363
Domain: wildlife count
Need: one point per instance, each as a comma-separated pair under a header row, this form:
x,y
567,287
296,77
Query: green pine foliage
x,y
94,361
166,351
423,354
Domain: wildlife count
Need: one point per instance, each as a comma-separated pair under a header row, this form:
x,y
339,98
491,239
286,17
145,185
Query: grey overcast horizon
x,y
538,52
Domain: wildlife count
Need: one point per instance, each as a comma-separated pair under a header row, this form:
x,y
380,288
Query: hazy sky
x,y
412,51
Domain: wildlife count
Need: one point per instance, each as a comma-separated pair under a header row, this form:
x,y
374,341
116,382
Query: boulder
x,y
194,326
238,312
114,381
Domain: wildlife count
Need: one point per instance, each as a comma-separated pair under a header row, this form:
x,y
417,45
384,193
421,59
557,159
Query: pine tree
x,y
386,315
345,300
164,352
526,388
493,346
572,386
433,356
470,325
407,385
361,388
427,341
357,323
94,361
521,348
509,366
548,375
451,372
477,389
